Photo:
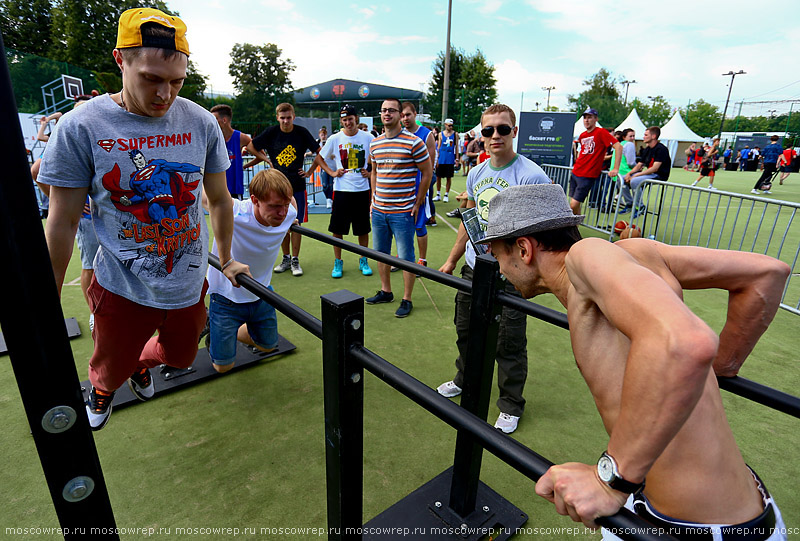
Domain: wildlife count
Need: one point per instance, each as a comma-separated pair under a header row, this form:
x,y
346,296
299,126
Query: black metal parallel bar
x,y
343,326
762,394
294,312
506,448
424,272
756,392
40,353
484,326
559,319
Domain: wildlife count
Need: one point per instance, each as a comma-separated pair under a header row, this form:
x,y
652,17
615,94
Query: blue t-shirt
x,y
422,132
745,152
234,174
771,152
447,149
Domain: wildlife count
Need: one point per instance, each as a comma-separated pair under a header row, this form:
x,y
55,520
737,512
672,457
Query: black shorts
x,y
350,208
444,170
579,187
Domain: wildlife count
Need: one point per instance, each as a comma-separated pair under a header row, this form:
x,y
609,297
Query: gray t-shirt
x,y
485,181
144,176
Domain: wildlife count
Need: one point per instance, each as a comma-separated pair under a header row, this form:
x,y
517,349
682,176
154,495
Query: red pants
x,y
124,341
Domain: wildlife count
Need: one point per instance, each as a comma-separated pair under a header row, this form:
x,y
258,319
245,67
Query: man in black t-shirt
x,y
655,165
286,145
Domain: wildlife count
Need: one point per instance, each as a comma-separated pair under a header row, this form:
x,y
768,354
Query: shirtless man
x,y
650,363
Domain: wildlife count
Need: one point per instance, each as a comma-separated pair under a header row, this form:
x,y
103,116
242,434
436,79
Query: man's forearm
x,y
221,213
60,236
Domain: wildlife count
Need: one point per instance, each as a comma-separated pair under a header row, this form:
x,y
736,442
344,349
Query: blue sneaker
x,y
624,210
364,266
404,310
337,268
380,297
638,212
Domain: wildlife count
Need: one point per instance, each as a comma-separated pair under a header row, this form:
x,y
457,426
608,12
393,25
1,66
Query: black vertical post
x,y
343,326
34,330
484,322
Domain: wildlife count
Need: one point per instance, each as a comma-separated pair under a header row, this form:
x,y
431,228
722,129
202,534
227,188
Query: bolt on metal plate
x,y
58,419
78,489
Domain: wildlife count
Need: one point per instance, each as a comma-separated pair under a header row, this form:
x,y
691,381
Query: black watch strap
x,y
616,481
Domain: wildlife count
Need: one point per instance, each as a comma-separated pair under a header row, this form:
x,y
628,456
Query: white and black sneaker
x,y
141,384
286,264
98,408
296,269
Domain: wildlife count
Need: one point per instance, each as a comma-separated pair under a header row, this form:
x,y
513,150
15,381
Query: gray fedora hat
x,y
521,210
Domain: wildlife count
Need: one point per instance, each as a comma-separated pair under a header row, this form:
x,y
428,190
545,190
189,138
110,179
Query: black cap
x,y
348,110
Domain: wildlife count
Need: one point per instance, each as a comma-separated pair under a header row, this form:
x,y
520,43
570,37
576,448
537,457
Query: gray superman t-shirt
x,y
144,176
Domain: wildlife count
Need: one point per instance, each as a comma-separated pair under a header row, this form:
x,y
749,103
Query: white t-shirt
x,y
349,153
253,244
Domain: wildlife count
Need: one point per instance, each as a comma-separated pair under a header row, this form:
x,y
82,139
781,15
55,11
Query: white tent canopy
x,y
677,136
634,122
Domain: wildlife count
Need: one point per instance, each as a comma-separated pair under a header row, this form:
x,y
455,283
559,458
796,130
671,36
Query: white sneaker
x,y
507,423
754,191
695,183
296,269
329,204
767,191
436,197
711,187
285,264
446,198
449,389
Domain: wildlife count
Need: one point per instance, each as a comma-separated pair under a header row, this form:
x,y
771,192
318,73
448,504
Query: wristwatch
x,y
608,472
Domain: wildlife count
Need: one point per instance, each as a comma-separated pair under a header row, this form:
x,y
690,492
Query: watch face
x,y
605,469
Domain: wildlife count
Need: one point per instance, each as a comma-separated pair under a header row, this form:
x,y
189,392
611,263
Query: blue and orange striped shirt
x,y
396,161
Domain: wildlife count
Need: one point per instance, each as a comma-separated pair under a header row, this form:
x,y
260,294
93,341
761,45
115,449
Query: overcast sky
x,y
677,49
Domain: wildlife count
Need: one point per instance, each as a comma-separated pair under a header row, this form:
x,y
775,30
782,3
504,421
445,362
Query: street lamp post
x,y
446,89
548,89
627,86
725,111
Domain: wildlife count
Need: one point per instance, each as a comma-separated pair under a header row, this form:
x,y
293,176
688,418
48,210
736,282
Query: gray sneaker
x,y
296,270
286,264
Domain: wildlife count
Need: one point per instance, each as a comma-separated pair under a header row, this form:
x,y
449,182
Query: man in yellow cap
x,y
143,155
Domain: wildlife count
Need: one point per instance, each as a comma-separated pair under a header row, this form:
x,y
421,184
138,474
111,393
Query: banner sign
x,y
546,137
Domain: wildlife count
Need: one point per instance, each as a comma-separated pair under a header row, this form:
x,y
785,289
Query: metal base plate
x,y
168,379
73,331
424,514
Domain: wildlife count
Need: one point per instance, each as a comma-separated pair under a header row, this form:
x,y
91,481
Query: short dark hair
x,y
409,105
553,240
626,131
151,30
774,138
399,103
223,110
655,130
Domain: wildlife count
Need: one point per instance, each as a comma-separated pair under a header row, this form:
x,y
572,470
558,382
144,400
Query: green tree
x,y
261,79
702,118
473,87
655,113
601,93
26,25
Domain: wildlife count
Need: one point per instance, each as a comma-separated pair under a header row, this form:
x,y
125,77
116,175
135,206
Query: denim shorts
x,y
398,225
225,318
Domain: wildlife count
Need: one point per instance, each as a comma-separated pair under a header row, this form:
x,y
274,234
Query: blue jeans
x,y
225,318
400,226
327,184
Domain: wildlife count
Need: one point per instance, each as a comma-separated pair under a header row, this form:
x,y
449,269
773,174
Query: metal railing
x,y
313,183
687,215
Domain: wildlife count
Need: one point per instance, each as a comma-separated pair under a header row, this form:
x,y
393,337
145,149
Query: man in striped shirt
x,y
397,155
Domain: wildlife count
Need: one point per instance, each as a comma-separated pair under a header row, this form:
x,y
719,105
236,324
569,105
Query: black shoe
x,y
455,213
380,297
98,408
404,310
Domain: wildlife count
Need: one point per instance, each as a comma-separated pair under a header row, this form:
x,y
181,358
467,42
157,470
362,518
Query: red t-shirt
x,y
592,151
789,155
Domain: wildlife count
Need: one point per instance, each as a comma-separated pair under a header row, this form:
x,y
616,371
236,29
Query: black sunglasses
x,y
502,129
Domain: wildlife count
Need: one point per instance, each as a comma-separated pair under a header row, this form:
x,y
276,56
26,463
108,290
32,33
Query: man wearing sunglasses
x,y
505,168
594,143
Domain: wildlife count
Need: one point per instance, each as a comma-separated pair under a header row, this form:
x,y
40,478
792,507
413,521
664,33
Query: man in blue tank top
x,y
448,154
234,141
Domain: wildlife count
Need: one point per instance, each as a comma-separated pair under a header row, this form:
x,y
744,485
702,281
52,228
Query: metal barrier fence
x,y
313,183
686,215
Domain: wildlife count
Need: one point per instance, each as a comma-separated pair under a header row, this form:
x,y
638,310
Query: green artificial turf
x,y
247,450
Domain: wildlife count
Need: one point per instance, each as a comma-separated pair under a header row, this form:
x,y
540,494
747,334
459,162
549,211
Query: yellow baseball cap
x,y
129,33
